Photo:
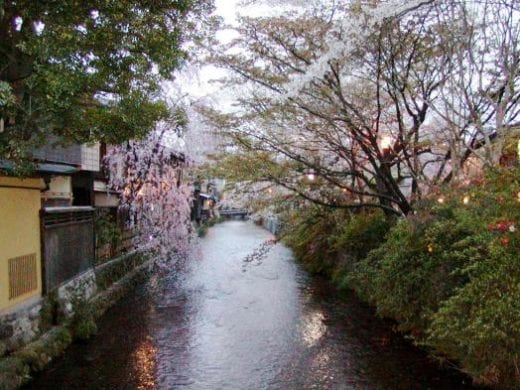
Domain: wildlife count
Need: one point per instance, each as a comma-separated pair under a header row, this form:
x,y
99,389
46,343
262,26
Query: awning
x,y
44,167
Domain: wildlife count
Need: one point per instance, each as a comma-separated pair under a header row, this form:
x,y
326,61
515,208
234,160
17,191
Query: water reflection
x,y
144,364
313,327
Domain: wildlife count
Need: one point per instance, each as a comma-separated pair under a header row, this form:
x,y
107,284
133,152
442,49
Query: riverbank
x,y
448,273
71,314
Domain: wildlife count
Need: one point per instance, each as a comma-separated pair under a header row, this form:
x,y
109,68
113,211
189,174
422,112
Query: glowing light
x,y
144,364
385,143
270,190
311,176
441,199
313,328
465,200
430,248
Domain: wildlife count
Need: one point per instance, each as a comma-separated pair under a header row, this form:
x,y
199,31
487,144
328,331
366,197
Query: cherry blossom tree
x,y
148,175
335,122
354,95
478,104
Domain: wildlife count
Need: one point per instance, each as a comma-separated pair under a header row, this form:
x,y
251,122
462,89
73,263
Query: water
x,y
241,314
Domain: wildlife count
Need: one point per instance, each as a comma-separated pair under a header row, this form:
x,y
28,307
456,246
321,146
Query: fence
x,y
67,244
125,243
113,236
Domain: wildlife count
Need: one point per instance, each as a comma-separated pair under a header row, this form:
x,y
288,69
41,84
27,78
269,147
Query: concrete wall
x,y
103,197
19,232
271,223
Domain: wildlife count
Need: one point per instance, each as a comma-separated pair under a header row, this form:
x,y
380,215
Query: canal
x,y
241,314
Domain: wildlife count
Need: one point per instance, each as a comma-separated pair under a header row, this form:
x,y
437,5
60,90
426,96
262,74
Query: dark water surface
x,y
241,314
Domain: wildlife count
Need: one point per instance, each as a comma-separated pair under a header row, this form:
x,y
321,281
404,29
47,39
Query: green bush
x,y
449,275
13,373
308,231
360,233
416,268
203,228
39,353
106,229
480,324
331,241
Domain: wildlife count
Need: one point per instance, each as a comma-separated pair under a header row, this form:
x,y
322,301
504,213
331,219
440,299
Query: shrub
x,y
107,233
480,324
308,231
416,268
82,323
360,233
449,275
331,241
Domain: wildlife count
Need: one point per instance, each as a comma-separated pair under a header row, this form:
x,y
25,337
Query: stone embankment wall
x,y
41,331
271,223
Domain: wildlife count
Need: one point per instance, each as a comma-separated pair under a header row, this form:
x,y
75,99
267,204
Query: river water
x,y
241,314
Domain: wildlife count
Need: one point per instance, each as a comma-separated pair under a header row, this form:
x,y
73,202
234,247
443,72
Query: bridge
x,y
231,213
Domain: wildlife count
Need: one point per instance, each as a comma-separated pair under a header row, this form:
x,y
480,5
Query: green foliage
x,y
202,230
82,323
106,229
479,325
51,312
6,95
308,231
115,270
13,372
410,273
361,233
331,241
449,275
39,353
86,71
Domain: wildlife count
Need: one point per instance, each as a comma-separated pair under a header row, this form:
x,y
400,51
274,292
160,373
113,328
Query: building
x,y
20,254
47,234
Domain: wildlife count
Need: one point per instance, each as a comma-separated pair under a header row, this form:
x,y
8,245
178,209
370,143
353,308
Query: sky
x,y
199,83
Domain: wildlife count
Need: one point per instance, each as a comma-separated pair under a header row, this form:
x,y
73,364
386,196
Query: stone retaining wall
x,y
32,336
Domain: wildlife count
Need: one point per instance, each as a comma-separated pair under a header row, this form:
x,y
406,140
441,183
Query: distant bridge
x,y
230,213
